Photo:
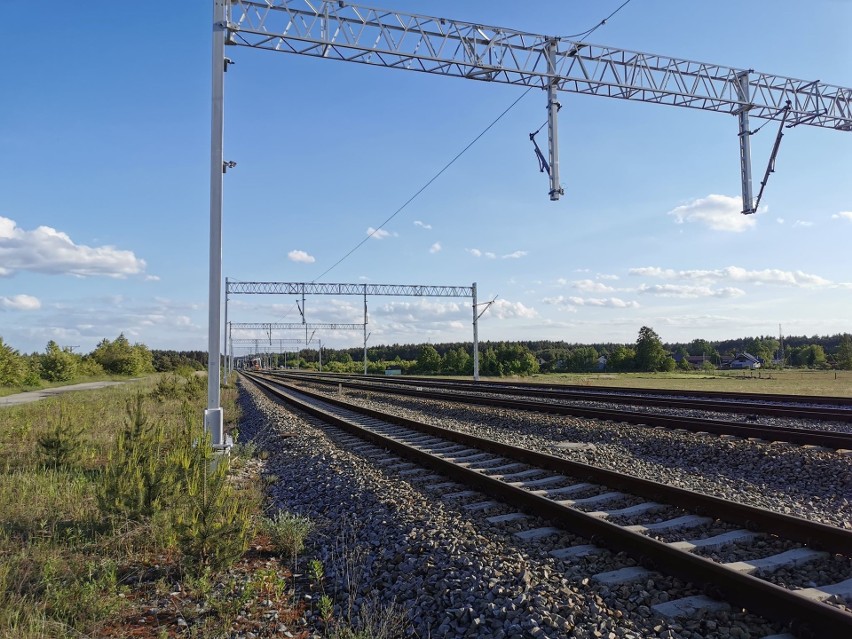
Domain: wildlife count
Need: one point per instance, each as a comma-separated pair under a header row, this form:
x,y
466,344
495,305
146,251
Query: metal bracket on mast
x,y
743,94
553,106
770,168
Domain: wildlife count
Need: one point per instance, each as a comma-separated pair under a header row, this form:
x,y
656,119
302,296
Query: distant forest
x,y
546,356
496,358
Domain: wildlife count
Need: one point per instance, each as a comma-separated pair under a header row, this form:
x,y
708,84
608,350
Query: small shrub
x,y
61,446
288,532
212,525
137,475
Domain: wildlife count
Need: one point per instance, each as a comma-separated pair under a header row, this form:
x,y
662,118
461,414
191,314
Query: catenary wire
x,y
589,32
425,186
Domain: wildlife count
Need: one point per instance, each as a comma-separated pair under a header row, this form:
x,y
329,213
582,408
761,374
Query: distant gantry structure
x,y
302,289
337,30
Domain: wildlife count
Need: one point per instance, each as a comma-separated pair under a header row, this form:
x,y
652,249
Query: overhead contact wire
x,y
425,186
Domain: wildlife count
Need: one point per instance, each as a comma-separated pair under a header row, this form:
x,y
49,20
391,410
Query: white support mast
x,y
553,106
213,422
742,87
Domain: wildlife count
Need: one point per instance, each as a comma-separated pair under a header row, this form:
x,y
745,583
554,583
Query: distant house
x,y
601,363
745,361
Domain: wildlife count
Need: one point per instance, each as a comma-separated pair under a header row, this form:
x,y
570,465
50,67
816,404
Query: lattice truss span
x,y
341,31
285,326
299,288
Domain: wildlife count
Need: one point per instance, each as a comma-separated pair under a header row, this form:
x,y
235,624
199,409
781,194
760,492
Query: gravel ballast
x,y
387,541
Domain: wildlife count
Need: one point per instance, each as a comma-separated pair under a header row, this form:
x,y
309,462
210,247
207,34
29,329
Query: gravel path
x,y
390,542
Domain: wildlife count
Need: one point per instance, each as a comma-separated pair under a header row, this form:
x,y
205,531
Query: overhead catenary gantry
x,y
394,39
279,345
337,30
269,327
363,290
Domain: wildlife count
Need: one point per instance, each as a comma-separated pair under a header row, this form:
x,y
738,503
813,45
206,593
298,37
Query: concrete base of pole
x,y
213,424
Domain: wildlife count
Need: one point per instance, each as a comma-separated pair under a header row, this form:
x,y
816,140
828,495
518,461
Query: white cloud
x,y
301,256
736,274
802,223
20,303
477,253
653,271
421,310
780,220
152,278
718,212
608,302
590,286
379,234
514,255
504,309
46,250
422,225
843,215
606,276
685,290
435,248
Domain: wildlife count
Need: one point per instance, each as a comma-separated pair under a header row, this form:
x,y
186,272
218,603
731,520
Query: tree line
x,y
647,353
496,358
61,364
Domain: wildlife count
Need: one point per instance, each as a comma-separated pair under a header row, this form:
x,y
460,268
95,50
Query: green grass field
x,y
782,382
65,568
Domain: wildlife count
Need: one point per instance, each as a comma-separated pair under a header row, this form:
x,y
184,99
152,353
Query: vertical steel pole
x,y
227,371
744,94
553,106
365,329
319,354
475,338
213,415
304,320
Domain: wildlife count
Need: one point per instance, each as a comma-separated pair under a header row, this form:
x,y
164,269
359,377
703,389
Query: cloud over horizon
x,y
717,212
46,250
20,303
603,302
687,291
380,234
301,256
736,274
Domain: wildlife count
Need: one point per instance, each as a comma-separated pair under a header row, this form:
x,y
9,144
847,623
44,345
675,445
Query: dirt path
x,y
33,396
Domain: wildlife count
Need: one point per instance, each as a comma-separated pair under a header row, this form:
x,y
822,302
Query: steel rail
x,y
801,436
756,595
627,396
833,400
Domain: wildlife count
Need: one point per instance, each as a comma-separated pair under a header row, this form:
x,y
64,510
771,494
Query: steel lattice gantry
x,y
268,327
233,287
279,345
341,31
337,30
319,288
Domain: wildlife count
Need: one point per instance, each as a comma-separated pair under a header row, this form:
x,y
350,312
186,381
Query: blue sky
x,y
105,125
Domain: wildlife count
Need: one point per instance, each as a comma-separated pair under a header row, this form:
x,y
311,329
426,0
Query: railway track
x,y
783,406
552,488
801,436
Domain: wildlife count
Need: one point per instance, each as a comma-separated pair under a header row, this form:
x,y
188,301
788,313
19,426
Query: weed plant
x,y
288,532
97,490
